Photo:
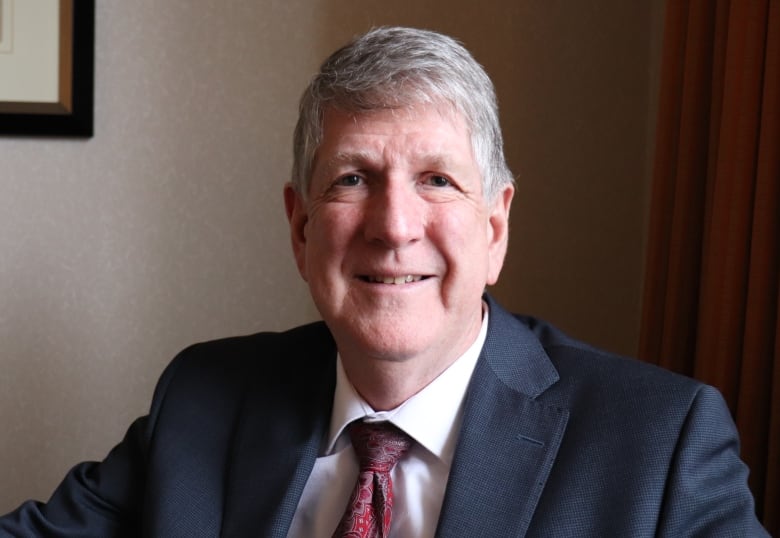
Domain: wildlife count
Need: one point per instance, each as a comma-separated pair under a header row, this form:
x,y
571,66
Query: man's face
x,y
395,238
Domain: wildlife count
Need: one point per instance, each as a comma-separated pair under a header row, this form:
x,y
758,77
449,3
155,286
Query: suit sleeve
x,y
95,499
706,491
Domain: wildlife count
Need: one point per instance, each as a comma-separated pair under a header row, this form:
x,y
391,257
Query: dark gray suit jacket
x,y
558,440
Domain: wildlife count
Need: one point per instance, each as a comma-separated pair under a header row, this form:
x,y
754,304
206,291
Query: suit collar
x,y
515,355
508,441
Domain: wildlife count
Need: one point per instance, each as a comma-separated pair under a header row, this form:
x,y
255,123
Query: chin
x,y
390,345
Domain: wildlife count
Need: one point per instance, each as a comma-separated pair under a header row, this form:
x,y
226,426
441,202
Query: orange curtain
x,y
710,305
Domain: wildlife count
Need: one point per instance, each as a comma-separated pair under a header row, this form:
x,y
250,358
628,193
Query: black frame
x,y
79,123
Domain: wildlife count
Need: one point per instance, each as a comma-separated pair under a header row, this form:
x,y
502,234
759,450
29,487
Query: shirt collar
x,y
431,416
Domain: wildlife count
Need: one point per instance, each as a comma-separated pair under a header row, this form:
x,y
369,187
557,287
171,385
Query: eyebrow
x,y
349,158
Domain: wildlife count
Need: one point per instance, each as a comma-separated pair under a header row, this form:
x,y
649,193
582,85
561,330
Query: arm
x,y
94,500
706,490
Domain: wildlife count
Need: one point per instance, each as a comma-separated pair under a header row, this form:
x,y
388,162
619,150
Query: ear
x,y
297,217
498,232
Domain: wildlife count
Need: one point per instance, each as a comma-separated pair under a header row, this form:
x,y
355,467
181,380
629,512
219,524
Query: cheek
x,y
462,240
328,234
468,228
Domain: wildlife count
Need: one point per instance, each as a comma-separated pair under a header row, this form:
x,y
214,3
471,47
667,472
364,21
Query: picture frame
x,y
47,62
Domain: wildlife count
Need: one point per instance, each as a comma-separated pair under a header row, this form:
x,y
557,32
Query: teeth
x,y
395,279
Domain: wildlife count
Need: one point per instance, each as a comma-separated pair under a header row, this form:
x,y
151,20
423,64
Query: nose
x,y
394,215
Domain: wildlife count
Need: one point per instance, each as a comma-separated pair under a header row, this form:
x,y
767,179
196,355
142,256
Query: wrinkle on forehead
x,y
364,155
361,159
410,110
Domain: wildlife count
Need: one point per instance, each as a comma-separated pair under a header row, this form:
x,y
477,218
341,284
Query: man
x,y
501,425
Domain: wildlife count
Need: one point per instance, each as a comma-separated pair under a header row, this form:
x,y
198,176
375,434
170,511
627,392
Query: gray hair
x,y
394,67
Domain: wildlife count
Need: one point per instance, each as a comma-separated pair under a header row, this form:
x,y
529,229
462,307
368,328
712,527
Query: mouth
x,y
394,280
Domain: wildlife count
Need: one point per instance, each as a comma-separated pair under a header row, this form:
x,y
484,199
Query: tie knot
x,y
378,445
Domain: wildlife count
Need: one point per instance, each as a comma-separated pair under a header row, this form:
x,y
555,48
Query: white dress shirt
x,y
432,417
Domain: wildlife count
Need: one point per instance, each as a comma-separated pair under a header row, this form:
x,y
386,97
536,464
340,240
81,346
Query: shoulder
x,y
242,347
604,388
580,360
515,341
222,369
260,350
589,381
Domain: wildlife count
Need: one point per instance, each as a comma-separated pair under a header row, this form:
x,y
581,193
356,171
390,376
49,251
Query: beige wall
x,y
167,228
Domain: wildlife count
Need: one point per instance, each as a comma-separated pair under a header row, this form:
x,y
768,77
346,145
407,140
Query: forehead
x,y
424,132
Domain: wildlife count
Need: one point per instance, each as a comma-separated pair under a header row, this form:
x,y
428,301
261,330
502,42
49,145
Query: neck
x,y
385,385
386,382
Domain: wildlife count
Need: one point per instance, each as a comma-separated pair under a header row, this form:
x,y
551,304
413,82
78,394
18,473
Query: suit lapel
x,y
508,440
285,417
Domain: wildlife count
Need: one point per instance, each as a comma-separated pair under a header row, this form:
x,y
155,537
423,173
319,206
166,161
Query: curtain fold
x,y
710,303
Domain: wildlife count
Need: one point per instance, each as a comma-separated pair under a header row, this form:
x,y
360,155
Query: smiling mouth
x,y
395,280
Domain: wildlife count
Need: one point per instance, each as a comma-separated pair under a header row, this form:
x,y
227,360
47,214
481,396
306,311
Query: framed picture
x,y
47,67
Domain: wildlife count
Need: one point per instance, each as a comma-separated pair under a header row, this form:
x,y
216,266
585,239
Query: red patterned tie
x,y
378,446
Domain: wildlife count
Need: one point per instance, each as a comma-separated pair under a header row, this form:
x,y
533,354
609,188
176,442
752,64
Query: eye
x,y
438,181
350,180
